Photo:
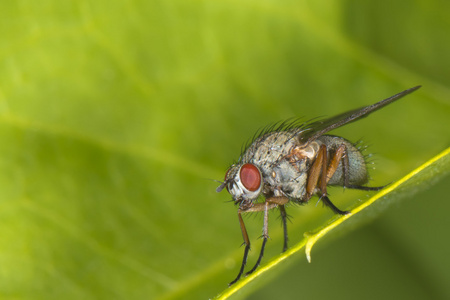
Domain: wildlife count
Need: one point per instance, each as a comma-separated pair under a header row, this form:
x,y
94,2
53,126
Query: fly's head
x,y
244,182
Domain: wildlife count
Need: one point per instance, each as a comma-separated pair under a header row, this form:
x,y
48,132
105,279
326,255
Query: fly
x,y
293,162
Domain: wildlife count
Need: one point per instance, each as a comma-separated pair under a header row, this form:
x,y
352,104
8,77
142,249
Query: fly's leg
x,y
270,203
340,154
333,207
266,206
247,247
366,188
345,167
265,237
330,170
255,208
324,171
283,220
314,171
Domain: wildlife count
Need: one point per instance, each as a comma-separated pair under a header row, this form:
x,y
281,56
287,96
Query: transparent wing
x,y
316,129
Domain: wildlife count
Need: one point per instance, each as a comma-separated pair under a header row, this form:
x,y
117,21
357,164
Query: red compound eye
x,y
250,177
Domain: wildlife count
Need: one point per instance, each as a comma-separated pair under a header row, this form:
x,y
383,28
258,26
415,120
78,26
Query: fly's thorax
x,y
283,163
357,170
289,179
270,148
290,174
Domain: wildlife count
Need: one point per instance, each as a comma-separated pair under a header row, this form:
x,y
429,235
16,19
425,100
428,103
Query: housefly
x,y
292,162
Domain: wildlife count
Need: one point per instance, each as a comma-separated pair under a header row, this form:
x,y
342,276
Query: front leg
x,y
270,203
265,236
247,247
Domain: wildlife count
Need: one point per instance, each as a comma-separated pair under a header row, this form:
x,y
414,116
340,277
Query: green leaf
x,y
115,116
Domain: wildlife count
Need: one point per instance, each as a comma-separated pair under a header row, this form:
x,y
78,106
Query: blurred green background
x,y
116,115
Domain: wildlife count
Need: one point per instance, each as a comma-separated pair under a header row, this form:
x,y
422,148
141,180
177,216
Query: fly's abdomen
x,y
357,170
